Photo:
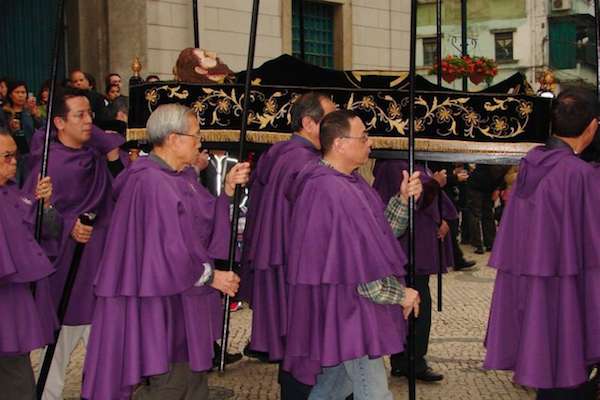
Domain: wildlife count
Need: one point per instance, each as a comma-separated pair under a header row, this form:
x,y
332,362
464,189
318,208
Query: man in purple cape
x,y
346,297
82,183
158,309
430,221
544,322
265,235
27,320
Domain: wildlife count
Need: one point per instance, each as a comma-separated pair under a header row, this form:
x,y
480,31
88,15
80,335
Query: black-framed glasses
x,y
364,138
9,156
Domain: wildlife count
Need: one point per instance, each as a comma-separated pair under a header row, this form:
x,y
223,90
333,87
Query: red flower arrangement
x,y
477,69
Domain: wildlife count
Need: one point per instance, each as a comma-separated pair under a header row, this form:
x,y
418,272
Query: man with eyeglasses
x,y
27,316
82,184
346,298
544,322
159,311
264,246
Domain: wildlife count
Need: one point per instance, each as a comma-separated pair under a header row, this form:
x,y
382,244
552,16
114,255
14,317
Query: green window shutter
x,y
27,38
318,33
563,36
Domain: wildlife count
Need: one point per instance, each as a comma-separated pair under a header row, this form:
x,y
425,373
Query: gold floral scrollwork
x,y
445,113
392,118
509,126
152,95
272,112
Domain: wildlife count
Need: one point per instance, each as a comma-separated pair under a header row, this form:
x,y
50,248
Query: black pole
x,y
463,34
238,188
438,53
196,27
596,15
53,77
85,219
301,27
438,41
412,383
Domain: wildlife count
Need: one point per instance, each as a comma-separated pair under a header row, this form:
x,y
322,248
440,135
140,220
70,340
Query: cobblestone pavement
x,y
456,350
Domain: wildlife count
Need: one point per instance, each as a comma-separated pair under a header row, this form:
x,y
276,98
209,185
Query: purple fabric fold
x,y
81,183
27,321
544,323
148,313
339,239
388,177
265,238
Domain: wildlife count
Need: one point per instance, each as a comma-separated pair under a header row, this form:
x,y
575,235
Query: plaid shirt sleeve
x,y
397,215
383,291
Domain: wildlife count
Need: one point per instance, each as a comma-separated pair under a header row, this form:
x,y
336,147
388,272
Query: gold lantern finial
x,y
136,66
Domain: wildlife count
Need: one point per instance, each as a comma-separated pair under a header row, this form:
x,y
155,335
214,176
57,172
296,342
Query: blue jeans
x,y
364,377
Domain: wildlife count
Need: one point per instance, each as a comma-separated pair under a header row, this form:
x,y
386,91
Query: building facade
x,y
104,36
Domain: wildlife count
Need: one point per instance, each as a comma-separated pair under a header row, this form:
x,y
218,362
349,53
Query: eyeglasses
x,y
9,156
363,139
79,115
197,137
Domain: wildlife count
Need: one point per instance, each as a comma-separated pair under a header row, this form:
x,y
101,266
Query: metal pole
x,y
39,217
301,27
597,21
238,188
85,219
438,40
196,27
412,382
438,52
463,34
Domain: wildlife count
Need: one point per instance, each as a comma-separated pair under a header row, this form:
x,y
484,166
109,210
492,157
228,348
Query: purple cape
x,y
148,313
81,183
265,236
428,215
544,320
339,238
27,322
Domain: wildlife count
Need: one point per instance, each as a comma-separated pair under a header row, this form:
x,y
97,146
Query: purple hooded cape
x,y
103,141
544,319
265,236
81,183
148,313
428,214
27,322
339,238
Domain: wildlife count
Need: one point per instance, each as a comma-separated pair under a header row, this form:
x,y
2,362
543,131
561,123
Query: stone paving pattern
x,y
456,350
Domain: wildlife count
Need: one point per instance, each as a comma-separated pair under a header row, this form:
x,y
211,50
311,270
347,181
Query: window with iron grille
x,y
429,51
504,46
318,32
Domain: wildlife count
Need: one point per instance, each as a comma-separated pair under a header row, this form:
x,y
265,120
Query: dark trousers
x,y
290,388
399,361
16,378
459,257
481,218
584,392
180,383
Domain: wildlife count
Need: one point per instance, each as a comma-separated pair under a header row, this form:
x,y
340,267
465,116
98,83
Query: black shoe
x,y
464,264
479,250
259,355
230,358
426,376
